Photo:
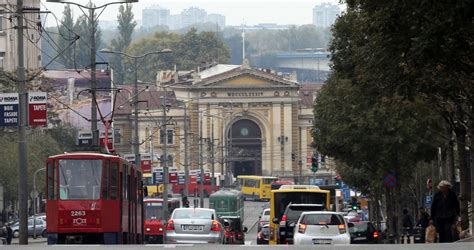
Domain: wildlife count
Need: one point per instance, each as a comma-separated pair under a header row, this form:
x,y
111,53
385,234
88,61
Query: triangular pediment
x,y
245,78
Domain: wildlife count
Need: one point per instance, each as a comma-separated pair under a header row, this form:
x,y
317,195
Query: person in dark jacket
x,y
407,222
9,235
445,212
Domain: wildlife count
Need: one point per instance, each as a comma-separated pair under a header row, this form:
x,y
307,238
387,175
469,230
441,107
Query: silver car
x,y
193,225
40,228
264,218
327,228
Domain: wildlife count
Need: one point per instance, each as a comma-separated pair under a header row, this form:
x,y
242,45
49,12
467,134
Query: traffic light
x,y
293,156
338,181
314,162
323,160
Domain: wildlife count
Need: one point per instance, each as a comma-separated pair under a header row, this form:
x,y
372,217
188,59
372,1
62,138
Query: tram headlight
x,y
148,229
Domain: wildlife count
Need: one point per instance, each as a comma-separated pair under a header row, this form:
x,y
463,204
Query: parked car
x,y
264,218
363,232
193,225
290,217
40,228
234,231
263,235
315,228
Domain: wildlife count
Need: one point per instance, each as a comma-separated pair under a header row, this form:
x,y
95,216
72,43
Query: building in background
x,y
155,16
8,37
325,14
193,16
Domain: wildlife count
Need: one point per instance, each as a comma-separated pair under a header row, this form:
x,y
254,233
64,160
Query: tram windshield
x,y
80,179
153,210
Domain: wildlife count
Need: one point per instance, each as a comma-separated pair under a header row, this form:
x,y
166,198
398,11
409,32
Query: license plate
x,y
322,241
193,227
360,238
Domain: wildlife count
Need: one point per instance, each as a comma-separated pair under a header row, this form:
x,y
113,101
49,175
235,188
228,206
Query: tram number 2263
x,y
78,213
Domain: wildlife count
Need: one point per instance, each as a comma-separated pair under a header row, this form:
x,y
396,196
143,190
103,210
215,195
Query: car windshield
x,y
294,212
153,211
266,212
359,228
321,219
80,179
193,214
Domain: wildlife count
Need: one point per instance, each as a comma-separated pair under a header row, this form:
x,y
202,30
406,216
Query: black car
x,y
263,235
234,231
363,232
290,217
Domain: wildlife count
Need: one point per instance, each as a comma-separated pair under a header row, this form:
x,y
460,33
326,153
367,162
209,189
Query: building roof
x,y
308,93
147,99
216,70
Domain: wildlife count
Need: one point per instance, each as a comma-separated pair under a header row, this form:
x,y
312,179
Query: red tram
x,y
153,224
93,198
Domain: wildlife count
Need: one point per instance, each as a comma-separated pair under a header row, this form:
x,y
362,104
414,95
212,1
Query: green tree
x,y
66,35
125,27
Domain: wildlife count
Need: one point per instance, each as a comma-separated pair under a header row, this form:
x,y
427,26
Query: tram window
x,y
51,181
105,189
114,181
124,182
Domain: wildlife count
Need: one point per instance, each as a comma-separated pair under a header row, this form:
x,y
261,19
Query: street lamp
x,y
92,20
34,200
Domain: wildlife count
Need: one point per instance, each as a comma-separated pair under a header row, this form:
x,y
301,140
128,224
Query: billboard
x,y
37,115
9,115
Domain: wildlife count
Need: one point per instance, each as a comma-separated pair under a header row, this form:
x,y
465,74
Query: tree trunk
x,y
449,157
464,193
471,156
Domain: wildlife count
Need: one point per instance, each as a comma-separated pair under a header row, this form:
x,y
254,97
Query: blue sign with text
x,y
9,110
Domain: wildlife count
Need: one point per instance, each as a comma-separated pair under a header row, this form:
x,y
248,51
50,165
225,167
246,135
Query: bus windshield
x,y
80,179
284,198
153,211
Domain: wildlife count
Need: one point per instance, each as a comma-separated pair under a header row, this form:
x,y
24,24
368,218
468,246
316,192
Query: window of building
x,y
169,136
117,135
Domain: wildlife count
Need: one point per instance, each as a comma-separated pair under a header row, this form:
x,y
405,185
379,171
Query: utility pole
x,y
201,167
165,162
136,139
186,152
94,129
22,147
213,181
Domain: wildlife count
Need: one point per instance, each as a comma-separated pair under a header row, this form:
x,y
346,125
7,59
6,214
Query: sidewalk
x,y
38,240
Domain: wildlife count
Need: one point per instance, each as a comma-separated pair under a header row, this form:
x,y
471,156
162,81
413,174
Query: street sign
x,y
428,201
84,138
389,180
37,111
145,162
346,192
9,104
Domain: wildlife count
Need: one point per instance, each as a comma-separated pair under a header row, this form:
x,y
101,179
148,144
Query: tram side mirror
x,y
350,224
245,229
276,220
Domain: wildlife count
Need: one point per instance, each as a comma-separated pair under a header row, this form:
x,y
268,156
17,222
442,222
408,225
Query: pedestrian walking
x,y
445,212
9,232
407,222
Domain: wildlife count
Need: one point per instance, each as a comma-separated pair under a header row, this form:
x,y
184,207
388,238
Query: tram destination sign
x,y
9,104
37,102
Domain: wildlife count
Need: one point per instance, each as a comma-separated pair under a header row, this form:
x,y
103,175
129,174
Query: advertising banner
x,y
9,104
37,112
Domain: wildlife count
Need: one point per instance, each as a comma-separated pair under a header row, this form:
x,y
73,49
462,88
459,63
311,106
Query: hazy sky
x,y
236,12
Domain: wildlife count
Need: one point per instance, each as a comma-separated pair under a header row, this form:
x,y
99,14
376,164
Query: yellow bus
x,y
151,189
255,187
295,194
